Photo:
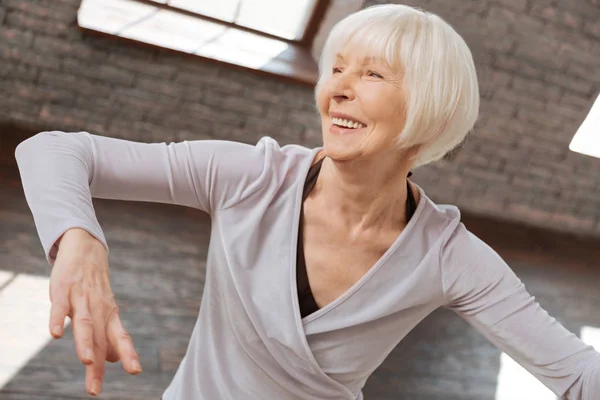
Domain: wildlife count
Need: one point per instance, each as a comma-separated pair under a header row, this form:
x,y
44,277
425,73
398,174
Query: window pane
x,y
220,9
111,16
286,19
192,34
243,48
174,30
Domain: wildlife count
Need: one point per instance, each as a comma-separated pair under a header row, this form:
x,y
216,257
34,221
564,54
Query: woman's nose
x,y
342,89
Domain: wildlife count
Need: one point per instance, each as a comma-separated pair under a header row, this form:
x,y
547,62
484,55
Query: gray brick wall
x,y
538,64
539,70
53,76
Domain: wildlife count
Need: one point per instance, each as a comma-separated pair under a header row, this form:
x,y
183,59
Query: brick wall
x,y
54,76
539,70
538,64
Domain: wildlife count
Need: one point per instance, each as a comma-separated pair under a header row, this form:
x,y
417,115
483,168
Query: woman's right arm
x,y
61,172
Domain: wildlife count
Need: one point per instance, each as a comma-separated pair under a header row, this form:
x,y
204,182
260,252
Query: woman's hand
x,y
80,289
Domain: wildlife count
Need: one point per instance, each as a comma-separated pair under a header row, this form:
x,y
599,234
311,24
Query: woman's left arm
x,y
484,291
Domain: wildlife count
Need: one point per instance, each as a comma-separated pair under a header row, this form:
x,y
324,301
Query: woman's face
x,y
362,106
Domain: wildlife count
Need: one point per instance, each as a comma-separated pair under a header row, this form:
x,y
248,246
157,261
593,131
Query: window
x,y
284,19
587,138
272,36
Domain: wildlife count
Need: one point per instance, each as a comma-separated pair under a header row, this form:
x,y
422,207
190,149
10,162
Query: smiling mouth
x,y
346,123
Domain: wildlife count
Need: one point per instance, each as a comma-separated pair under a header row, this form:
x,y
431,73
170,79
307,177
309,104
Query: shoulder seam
x,y
253,188
442,267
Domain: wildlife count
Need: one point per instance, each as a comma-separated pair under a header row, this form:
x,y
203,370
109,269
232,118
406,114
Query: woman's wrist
x,y
77,233
79,236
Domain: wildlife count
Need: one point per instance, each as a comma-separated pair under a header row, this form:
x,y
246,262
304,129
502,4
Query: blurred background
x,y
239,70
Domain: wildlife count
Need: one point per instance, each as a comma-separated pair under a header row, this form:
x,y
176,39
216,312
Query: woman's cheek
x,y
382,105
322,100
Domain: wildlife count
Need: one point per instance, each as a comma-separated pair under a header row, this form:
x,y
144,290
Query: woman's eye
x,y
374,74
336,70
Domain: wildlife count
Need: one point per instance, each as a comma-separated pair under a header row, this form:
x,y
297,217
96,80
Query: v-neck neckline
x,y
300,321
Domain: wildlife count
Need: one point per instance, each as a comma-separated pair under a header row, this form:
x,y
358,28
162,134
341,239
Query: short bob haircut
x,y
438,72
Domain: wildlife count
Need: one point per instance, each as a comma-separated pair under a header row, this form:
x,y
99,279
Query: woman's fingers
x,y
122,344
95,372
83,328
80,289
59,310
94,375
111,354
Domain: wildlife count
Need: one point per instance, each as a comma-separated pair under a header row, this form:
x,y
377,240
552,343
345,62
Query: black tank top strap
x,y
306,300
411,201
311,178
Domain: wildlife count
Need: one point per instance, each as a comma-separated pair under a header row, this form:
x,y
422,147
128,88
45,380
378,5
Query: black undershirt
x,y
307,302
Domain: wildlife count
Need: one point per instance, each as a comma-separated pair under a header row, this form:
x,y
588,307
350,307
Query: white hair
x,y
439,74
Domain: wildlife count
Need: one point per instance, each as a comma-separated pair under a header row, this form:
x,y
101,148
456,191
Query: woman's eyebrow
x,y
377,60
365,60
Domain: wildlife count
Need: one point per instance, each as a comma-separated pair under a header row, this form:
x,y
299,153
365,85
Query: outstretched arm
x,y
484,291
61,172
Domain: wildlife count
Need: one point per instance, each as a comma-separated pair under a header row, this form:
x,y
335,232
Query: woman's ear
x,y
413,151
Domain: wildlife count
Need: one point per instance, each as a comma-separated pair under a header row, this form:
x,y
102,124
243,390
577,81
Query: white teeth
x,y
347,123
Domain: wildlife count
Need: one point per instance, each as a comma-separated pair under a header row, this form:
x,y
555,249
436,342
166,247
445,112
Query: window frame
x,y
296,63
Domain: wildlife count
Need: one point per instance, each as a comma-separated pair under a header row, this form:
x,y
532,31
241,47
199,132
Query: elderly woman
x,y
321,260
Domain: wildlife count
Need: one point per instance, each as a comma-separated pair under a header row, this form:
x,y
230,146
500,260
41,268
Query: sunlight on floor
x,y
24,312
516,383
591,336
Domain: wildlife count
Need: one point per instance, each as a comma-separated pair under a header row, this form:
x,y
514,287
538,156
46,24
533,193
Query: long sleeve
x,y
483,290
61,172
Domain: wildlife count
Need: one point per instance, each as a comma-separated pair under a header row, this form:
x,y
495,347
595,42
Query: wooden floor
x,y
157,263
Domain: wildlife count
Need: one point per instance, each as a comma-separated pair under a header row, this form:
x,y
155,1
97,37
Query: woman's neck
x,y
363,194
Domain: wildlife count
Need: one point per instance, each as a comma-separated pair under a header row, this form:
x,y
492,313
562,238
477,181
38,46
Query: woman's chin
x,y
340,151
344,144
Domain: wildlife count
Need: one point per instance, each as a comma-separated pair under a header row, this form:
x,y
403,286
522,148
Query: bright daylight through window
x,y
266,35
587,138
285,19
